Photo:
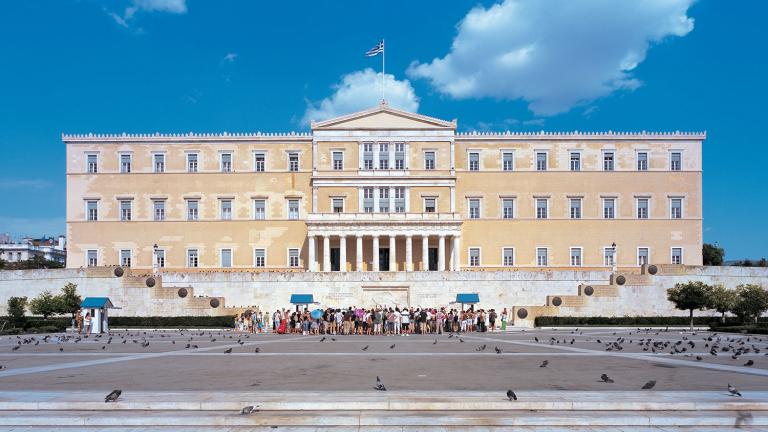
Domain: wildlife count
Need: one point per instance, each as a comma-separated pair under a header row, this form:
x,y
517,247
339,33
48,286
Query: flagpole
x,y
383,56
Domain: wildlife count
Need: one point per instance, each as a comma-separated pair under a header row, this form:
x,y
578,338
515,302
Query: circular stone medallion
x,y
652,269
119,271
557,301
183,292
621,280
214,303
588,290
522,313
150,282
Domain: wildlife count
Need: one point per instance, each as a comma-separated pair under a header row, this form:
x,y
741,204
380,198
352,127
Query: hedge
x,y
41,329
174,322
750,328
545,321
36,323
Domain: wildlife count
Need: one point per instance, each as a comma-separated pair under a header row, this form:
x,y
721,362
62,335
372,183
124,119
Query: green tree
x,y
46,304
762,263
712,254
746,263
69,300
751,302
721,299
16,308
689,296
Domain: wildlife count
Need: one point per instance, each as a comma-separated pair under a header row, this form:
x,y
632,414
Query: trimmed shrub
x,y
554,321
753,328
173,322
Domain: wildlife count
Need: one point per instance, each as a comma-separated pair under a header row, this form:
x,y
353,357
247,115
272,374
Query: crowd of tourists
x,y
376,321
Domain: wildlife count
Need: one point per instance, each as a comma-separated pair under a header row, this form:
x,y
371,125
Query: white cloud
x,y
361,90
170,6
554,54
230,57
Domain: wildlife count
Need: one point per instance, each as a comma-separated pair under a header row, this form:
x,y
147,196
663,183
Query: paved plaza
x,y
434,363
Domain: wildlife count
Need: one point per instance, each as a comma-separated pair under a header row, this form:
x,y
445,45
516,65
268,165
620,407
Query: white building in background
x,y
49,248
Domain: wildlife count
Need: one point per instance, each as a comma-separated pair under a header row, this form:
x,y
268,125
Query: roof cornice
x,y
186,137
608,135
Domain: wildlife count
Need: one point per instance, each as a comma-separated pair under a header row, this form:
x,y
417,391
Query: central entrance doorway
x,y
384,259
432,259
335,259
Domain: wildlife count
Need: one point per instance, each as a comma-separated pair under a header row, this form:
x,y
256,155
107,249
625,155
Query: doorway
x,y
432,259
335,259
383,259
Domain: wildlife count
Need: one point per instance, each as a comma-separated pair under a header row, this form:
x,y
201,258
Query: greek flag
x,y
373,52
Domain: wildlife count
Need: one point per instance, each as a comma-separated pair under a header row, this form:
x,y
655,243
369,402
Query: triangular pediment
x,y
383,117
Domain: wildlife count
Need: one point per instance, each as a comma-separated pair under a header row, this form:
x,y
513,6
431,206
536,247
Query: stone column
x,y
375,253
409,253
425,253
359,253
342,253
392,254
456,253
311,253
441,253
326,253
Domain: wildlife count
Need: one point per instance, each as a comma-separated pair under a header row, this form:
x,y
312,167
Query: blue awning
x,y
302,299
468,298
96,303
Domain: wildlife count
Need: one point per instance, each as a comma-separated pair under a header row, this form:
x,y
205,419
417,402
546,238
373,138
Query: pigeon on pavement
x,y
733,390
649,385
606,379
511,395
379,385
544,363
112,397
248,409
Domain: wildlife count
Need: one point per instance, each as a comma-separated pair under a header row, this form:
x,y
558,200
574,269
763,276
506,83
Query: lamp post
x,y
154,259
614,258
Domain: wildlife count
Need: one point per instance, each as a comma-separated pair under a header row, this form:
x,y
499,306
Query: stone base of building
x,y
525,293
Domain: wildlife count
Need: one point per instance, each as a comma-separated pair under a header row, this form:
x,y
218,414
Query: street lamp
x,y
154,259
614,257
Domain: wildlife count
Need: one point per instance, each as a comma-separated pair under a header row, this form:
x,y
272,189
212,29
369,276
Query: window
x,y
474,208
92,210
399,200
338,205
293,257
608,161
226,162
676,161
575,208
159,162
368,200
474,161
293,161
507,161
507,208
642,208
92,163
676,208
677,255
192,258
383,156
226,258
368,156
160,257
429,160
541,257
192,210
225,209
259,209
159,209
192,159
609,208
259,257
474,257
508,257
609,254
399,156
642,161
642,256
125,210
384,200
125,257
576,256
541,208
125,163
92,256
338,160
541,161
575,161
430,205
259,162
293,209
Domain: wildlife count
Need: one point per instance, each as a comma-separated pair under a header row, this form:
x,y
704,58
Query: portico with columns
x,y
390,242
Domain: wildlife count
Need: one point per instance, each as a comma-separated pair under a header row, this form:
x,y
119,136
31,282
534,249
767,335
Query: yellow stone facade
x,y
402,187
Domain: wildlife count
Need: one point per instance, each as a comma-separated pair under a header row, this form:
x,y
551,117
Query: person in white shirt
x,y
398,321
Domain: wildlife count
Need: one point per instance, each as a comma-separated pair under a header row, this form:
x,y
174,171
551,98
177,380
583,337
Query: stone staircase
x,y
174,299
524,316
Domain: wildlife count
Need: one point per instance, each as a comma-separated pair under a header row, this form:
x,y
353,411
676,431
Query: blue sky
x,y
188,65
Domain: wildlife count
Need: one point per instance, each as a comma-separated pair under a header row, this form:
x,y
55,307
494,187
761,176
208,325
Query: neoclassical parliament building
x,y
384,190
